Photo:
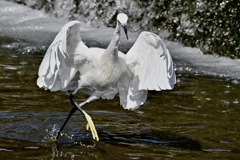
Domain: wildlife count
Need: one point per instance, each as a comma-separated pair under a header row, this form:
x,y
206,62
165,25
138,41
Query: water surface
x,y
199,119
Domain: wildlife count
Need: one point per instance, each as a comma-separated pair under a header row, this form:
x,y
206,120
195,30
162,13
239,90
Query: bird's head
x,y
122,19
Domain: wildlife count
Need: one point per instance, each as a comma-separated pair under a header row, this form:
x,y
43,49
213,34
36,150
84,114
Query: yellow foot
x,y
91,126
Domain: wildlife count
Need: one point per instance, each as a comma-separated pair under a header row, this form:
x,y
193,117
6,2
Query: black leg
x,y
65,122
74,103
70,113
88,118
72,100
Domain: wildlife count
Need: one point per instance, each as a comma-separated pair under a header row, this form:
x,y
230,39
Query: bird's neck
x,y
110,57
112,49
109,61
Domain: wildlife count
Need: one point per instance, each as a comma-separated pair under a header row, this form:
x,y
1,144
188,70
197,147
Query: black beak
x,y
125,30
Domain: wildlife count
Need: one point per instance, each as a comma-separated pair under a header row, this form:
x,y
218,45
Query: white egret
x,y
69,65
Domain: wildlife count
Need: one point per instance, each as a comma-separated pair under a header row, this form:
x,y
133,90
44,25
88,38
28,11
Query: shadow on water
x,y
153,138
80,145
32,127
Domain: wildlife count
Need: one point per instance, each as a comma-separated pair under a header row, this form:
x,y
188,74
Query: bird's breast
x,y
109,75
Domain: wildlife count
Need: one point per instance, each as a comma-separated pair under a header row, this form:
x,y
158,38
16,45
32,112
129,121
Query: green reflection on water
x,y
200,116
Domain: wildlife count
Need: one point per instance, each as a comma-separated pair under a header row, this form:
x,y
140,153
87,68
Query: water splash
x,y
52,134
70,138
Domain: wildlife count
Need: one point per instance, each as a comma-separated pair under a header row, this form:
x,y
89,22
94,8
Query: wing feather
x,y
58,67
150,59
152,67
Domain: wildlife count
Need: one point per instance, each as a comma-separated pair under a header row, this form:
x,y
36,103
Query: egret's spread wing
x,y
152,66
63,59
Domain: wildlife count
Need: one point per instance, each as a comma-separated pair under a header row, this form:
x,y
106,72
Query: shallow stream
x,y
199,119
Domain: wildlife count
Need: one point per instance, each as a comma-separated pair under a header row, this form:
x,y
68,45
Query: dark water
x,y
199,119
